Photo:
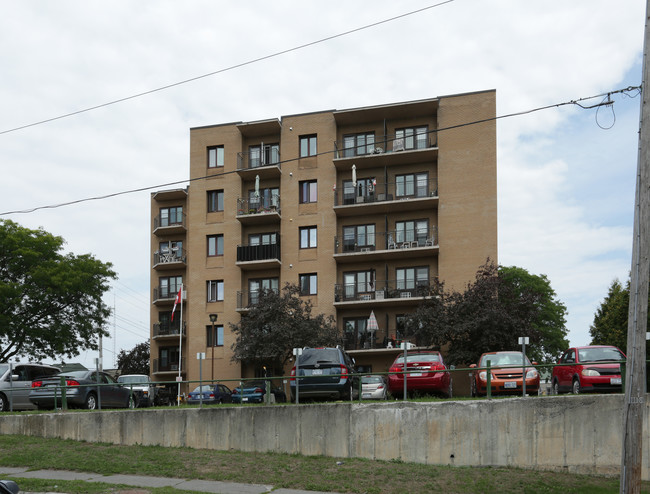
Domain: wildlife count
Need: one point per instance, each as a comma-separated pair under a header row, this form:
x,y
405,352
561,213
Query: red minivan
x,y
593,368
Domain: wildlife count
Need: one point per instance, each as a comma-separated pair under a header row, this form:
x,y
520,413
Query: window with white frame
x,y
215,290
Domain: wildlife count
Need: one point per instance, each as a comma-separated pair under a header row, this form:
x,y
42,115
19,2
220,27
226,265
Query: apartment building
x,y
362,208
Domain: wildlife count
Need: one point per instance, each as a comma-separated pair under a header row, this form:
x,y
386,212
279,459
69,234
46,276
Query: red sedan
x,y
506,369
588,368
424,372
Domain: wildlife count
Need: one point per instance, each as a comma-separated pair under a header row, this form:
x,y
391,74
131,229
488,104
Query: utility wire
x,y
227,69
576,102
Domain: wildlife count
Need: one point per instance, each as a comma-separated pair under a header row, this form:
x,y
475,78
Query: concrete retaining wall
x,y
579,434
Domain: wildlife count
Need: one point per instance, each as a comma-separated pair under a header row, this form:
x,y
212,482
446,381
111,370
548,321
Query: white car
x,y
142,387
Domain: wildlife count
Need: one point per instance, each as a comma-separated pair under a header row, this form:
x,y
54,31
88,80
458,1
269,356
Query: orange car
x,y
507,374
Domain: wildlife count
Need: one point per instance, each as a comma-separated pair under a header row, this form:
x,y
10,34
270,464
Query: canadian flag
x,y
178,299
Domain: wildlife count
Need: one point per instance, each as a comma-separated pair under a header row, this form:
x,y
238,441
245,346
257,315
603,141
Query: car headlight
x,y
483,376
531,374
590,373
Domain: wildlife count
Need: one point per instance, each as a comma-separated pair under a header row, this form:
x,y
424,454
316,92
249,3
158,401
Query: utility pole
x,y
635,382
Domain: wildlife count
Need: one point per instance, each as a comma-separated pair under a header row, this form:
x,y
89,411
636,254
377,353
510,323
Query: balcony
x,y
167,330
165,366
386,293
165,226
258,211
169,259
247,299
402,244
386,198
391,153
250,257
163,294
266,164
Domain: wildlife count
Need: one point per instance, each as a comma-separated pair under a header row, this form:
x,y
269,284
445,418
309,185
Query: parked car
x,y
325,373
255,392
210,394
141,386
84,389
424,373
585,368
374,388
16,385
506,374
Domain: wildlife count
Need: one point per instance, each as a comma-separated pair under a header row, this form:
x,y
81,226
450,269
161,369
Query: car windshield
x,y
503,359
371,379
132,379
203,388
313,356
419,357
604,354
3,369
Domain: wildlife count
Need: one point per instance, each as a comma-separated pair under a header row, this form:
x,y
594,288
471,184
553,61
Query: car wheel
x,y
91,402
555,388
4,404
575,387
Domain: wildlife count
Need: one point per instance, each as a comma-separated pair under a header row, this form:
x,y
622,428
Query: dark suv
x,y
325,373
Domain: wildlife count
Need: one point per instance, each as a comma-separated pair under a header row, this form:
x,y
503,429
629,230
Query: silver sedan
x,y
373,388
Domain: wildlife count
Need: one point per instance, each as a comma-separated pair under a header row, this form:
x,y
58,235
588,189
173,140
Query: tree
x,y
50,303
490,314
279,322
135,361
611,318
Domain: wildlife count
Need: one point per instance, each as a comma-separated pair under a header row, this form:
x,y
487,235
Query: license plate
x,y
415,374
510,384
615,380
317,372
244,399
365,395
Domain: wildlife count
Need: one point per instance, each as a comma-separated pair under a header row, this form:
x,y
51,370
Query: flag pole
x,y
180,349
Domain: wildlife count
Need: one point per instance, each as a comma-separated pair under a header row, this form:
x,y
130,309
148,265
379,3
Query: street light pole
x,y
213,319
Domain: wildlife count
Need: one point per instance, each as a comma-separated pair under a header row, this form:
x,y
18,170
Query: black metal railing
x,y
393,239
262,252
387,144
383,289
160,222
169,257
168,328
269,156
167,365
259,205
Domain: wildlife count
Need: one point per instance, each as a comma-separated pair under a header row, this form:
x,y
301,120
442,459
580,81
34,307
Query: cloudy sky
x,y
565,174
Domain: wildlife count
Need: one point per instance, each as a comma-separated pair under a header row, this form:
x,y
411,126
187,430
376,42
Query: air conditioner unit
x,y
398,145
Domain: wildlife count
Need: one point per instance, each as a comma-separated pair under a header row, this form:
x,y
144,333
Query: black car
x,y
325,373
83,389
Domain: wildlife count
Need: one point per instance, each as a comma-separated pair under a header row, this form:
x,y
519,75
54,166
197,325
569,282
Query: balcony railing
x,y
164,293
168,329
382,290
389,191
166,365
388,144
168,257
259,205
394,239
263,252
247,299
270,156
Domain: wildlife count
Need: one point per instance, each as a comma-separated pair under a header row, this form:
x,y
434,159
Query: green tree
x,y
135,361
278,323
50,303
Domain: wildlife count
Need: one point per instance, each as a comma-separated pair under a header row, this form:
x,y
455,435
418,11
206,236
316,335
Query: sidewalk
x,y
213,486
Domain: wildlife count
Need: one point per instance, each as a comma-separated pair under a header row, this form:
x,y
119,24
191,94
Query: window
x,y
308,237
308,191
263,155
413,137
409,278
267,198
263,239
358,144
256,286
166,325
356,333
214,339
171,250
364,191
308,146
358,237
358,282
412,231
308,284
169,286
215,156
171,216
215,245
413,185
215,201
215,291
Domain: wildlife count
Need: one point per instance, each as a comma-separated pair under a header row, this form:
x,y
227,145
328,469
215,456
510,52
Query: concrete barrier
x,y
580,434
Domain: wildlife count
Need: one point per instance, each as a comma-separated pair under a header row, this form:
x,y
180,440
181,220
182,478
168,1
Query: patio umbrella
x,y
257,185
354,176
372,326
